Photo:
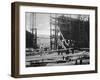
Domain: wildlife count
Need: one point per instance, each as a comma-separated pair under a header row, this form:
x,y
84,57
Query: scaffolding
x,y
31,30
64,29
57,40
34,31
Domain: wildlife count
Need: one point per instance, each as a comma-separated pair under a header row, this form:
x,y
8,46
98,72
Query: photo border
x,y
15,32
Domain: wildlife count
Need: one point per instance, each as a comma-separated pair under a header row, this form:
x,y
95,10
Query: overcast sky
x,y
42,23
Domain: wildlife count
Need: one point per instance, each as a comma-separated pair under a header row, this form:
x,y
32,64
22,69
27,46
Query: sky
x,y
42,23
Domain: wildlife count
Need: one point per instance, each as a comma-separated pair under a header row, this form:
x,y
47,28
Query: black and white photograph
x,y
53,39
56,39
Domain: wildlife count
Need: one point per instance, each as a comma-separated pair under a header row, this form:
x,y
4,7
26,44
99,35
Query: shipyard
x,y
55,39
